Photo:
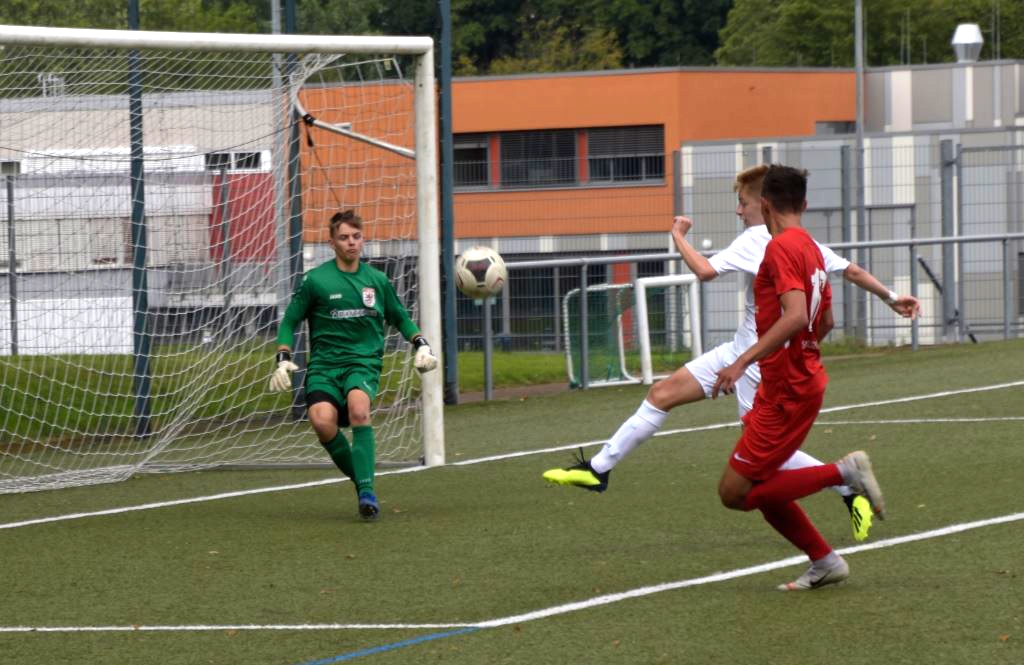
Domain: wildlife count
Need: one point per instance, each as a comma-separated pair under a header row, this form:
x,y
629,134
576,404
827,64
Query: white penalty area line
x,y
491,458
555,610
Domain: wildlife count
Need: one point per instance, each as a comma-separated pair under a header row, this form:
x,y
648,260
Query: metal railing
x,y
949,319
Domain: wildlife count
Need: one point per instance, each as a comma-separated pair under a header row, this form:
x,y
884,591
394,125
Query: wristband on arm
x,y
891,298
419,341
283,356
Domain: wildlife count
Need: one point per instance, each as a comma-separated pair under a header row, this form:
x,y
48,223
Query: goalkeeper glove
x,y
281,380
425,359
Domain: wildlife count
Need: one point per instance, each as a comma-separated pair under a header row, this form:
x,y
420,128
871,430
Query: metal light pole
x,y
858,29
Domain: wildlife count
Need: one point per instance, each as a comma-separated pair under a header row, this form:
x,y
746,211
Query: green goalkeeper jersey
x,y
346,312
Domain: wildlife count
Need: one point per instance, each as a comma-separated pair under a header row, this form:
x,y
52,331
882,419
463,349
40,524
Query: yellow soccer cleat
x,y
861,516
579,475
859,476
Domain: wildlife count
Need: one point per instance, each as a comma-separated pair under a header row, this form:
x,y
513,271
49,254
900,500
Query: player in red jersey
x,y
793,313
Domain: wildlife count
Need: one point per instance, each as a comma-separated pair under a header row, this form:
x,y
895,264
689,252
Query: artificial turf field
x,y
480,561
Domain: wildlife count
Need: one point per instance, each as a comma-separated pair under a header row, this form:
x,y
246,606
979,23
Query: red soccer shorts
x,y
775,429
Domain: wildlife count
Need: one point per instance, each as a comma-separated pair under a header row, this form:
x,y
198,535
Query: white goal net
x,y
631,332
160,196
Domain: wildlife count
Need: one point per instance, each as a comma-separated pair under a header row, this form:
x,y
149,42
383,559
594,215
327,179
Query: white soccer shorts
x,y
705,369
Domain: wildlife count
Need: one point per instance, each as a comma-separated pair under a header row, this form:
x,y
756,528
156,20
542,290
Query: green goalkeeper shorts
x,y
337,382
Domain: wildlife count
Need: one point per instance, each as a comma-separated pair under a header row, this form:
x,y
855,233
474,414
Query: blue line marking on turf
x,y
390,647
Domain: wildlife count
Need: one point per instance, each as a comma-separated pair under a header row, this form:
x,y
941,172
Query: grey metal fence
x,y
527,315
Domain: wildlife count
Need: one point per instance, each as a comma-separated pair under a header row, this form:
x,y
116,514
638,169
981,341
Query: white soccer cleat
x,y
857,474
819,576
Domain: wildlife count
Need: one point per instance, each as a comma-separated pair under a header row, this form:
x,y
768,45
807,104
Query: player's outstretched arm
x,y
906,306
425,360
281,379
693,259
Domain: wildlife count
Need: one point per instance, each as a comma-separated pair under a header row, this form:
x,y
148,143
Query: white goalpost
x,y
161,195
617,311
644,332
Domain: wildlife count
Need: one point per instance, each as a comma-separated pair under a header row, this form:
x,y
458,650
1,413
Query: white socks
x,y
641,426
801,460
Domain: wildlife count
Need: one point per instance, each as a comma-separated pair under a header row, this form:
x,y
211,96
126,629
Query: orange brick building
x,y
651,107
551,157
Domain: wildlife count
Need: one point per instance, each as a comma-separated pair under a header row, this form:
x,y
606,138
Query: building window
x,y
234,161
470,162
834,127
538,158
247,161
560,157
218,161
626,154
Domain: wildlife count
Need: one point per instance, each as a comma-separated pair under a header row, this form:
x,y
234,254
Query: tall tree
x,y
176,15
664,32
549,45
782,33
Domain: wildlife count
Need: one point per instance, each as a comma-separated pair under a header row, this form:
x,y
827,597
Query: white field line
x,y
922,421
555,610
479,460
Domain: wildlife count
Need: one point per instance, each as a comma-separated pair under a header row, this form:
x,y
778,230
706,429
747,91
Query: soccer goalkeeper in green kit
x,y
346,304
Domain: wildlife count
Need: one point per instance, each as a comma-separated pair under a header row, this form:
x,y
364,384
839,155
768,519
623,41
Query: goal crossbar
x,y
212,41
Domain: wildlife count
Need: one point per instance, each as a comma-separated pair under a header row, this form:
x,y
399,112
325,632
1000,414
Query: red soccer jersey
x,y
792,261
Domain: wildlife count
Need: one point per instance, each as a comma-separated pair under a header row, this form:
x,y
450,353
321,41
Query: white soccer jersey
x,y
744,255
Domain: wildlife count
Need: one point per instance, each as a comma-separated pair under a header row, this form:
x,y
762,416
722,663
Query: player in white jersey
x,y
694,381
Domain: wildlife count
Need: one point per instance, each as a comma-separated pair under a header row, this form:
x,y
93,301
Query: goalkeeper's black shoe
x,y
369,509
580,474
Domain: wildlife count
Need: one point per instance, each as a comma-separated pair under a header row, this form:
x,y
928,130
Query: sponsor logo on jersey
x,y
369,296
334,296
352,313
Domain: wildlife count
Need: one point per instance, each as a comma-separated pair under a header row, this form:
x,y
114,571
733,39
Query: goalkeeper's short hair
x,y
345,217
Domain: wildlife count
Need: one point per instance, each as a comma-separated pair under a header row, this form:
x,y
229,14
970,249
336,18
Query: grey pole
x,y
225,230
844,178
12,265
958,225
450,343
140,289
914,287
295,224
557,308
677,322
858,21
506,316
488,350
947,162
1007,290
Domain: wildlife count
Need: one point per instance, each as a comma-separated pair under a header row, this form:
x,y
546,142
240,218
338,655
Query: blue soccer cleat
x,y
369,509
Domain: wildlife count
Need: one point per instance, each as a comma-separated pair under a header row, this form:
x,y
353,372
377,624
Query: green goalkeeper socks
x,y
340,453
364,457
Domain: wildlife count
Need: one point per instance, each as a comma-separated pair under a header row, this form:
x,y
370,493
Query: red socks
x,y
787,486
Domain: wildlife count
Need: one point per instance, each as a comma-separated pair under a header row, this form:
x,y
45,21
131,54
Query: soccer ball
x,y
480,272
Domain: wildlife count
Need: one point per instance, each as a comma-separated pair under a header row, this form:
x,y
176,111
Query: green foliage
x,y
175,15
819,33
549,46
665,32
489,36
